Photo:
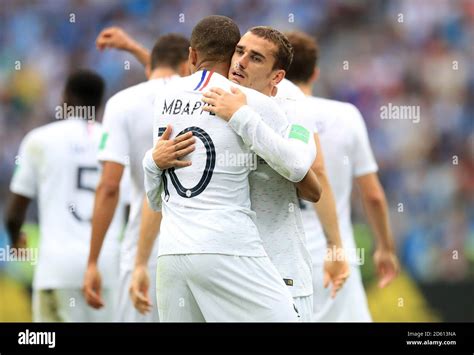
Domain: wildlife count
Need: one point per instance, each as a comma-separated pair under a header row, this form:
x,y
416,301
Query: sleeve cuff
x,y
150,164
112,158
22,190
367,170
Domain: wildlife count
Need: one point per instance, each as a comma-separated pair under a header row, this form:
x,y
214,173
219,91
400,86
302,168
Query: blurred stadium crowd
x,y
373,54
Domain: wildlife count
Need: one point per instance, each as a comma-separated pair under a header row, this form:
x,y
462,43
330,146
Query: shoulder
x,y
255,95
52,128
343,115
130,95
321,103
261,102
125,102
151,87
350,114
137,96
46,133
331,108
267,106
178,86
286,89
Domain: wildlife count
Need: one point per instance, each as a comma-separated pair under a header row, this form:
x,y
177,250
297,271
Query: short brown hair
x,y
306,56
169,51
215,37
284,54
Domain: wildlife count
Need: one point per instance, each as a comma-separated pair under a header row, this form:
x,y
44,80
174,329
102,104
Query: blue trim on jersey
x,y
204,72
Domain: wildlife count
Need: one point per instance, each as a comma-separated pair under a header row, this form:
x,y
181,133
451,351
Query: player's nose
x,y
242,62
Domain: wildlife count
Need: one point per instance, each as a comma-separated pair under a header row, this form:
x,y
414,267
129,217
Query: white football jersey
x,y
58,166
128,134
279,220
288,90
206,206
279,223
347,155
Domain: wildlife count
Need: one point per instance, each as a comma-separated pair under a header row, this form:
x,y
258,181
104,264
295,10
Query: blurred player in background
x,y
128,127
58,166
349,158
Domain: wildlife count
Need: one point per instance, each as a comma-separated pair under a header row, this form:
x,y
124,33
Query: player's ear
x,y
274,91
278,76
192,58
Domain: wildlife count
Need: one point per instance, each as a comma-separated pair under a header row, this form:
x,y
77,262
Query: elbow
x,y
297,176
108,189
300,169
310,190
312,197
317,194
375,199
314,194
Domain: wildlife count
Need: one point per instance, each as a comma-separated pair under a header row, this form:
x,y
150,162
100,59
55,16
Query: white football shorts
x,y
221,288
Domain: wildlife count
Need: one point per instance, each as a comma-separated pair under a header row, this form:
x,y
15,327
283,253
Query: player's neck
x,y
159,73
219,68
306,88
267,91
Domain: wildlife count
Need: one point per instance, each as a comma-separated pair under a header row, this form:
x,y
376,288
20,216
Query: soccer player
x,y
212,265
258,56
274,198
57,164
349,158
128,127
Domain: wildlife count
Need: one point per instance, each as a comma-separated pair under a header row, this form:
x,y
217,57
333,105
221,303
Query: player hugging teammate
x,y
232,238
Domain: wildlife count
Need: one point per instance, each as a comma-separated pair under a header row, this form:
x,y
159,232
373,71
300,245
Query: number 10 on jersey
x,y
208,170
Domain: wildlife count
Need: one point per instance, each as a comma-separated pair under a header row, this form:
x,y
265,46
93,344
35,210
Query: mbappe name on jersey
x,y
178,107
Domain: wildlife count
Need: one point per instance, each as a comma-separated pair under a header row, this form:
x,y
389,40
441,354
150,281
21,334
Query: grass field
x,y
399,302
